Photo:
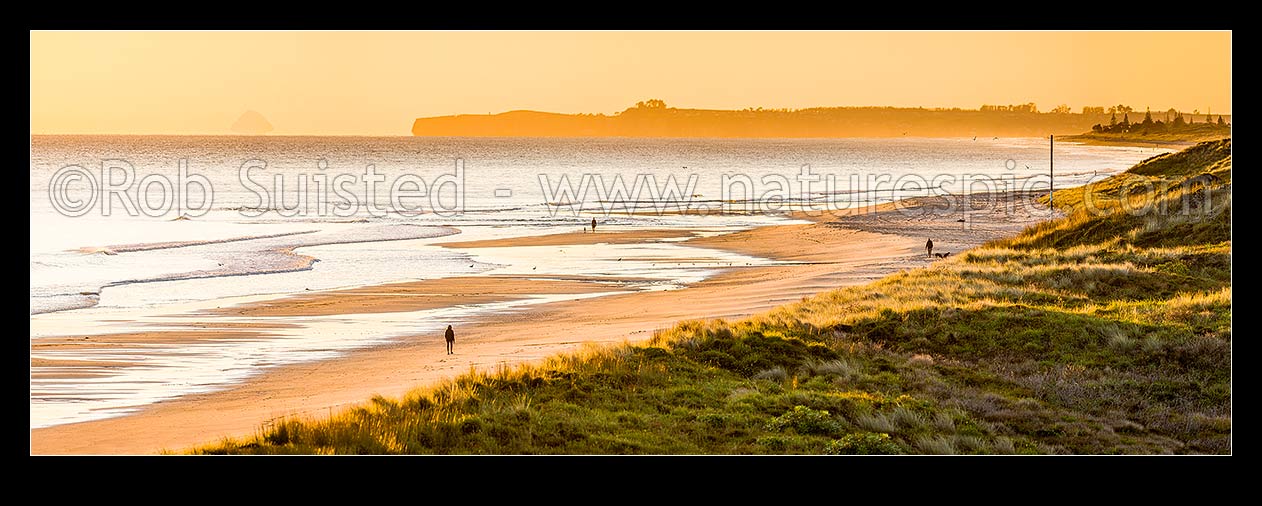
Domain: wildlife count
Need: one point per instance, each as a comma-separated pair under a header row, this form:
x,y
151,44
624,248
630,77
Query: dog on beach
x,y
942,255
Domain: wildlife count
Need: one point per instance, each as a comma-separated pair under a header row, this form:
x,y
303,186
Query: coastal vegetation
x,y
1170,127
1106,331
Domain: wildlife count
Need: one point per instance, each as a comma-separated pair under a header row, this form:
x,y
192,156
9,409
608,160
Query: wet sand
x,y
418,295
601,236
839,249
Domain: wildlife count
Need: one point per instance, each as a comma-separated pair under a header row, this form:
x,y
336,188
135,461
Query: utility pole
x,y
1051,172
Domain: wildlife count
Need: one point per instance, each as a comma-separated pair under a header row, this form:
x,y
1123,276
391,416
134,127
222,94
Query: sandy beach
x,y
837,249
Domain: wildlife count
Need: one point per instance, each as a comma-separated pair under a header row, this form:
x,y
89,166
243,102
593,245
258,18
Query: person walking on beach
x,y
929,248
451,338
593,225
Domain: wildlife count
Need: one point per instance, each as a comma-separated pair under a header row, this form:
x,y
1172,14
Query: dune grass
x,y
1108,331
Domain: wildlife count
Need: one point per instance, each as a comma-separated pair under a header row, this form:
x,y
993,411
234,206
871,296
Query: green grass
x,y
1108,331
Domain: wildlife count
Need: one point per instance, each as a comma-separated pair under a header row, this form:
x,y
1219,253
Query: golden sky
x,y
376,83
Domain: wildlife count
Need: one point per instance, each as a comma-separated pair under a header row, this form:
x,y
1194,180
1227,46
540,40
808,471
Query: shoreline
x,y
1135,142
838,249
418,295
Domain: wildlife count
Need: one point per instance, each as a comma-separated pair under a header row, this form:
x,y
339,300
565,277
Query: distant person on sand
x,y
593,225
929,248
451,338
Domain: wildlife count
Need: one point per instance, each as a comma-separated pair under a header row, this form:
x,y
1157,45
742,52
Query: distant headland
x,y
652,118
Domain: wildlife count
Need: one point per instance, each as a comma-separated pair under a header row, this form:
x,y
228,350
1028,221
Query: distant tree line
x,y
1027,108
1173,121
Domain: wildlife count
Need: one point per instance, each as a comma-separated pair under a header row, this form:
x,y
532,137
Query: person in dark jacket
x,y
929,248
593,224
451,338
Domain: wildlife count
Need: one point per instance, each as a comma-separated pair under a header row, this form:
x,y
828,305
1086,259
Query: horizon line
x,y
614,114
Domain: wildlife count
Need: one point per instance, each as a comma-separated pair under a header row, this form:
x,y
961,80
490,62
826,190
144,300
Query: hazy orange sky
x,y
376,83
